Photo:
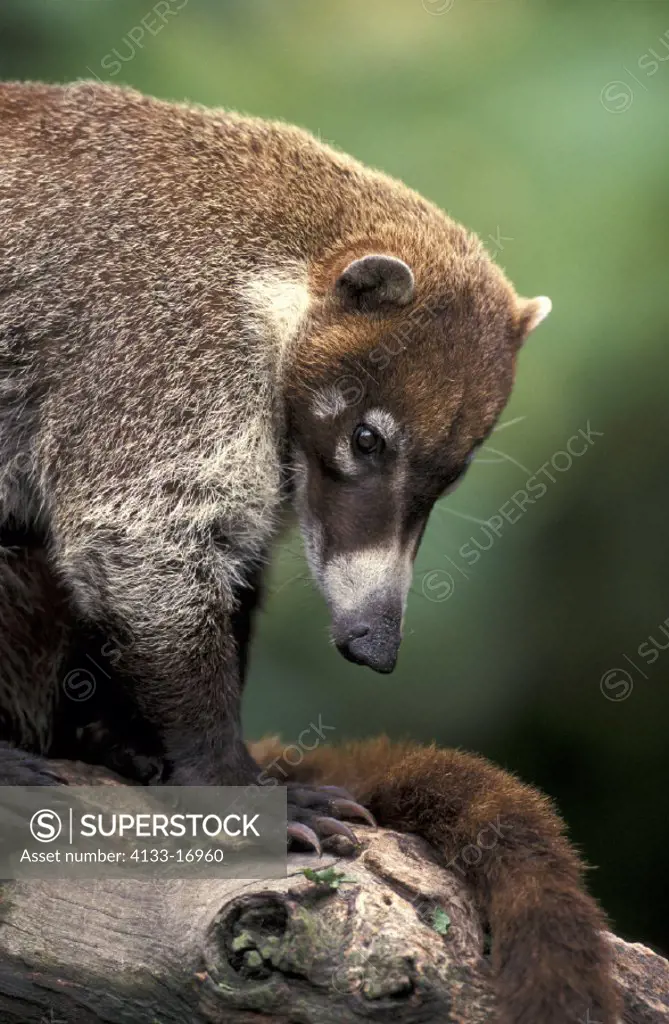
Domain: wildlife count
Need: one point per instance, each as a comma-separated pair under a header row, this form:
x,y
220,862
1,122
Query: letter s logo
x,y
45,826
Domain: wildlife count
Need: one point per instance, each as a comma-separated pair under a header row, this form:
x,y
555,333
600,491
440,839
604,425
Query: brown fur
x,y
171,328
552,961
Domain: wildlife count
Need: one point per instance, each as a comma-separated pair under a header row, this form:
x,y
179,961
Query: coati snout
x,y
372,639
401,380
360,536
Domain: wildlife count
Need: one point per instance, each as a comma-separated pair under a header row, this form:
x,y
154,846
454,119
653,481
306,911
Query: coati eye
x,y
366,441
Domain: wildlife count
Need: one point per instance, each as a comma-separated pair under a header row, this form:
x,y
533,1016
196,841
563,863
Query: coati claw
x,y
351,809
332,827
305,835
318,809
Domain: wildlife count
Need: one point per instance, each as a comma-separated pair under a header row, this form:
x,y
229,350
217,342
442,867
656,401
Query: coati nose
x,y
373,642
357,632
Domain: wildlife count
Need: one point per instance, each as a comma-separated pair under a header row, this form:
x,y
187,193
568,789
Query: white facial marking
x,y
349,580
328,403
344,456
383,421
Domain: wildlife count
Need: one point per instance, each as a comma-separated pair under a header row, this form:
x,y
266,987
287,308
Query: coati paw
x,y
315,814
19,768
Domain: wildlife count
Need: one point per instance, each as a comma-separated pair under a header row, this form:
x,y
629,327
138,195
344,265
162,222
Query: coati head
x,y
401,374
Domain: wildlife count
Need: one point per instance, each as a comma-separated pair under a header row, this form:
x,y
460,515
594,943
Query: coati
x,y
204,318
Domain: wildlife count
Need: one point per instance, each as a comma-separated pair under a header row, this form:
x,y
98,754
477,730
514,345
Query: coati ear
x,y
531,313
373,282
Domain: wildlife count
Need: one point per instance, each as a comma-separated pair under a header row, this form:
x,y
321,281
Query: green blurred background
x,y
545,127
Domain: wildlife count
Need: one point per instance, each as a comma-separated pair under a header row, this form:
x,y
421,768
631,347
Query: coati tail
x,y
551,958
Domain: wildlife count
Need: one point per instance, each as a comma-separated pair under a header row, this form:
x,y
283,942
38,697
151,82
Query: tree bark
x,y
399,941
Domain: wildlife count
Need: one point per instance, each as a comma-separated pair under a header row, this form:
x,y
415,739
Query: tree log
x,y
399,940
